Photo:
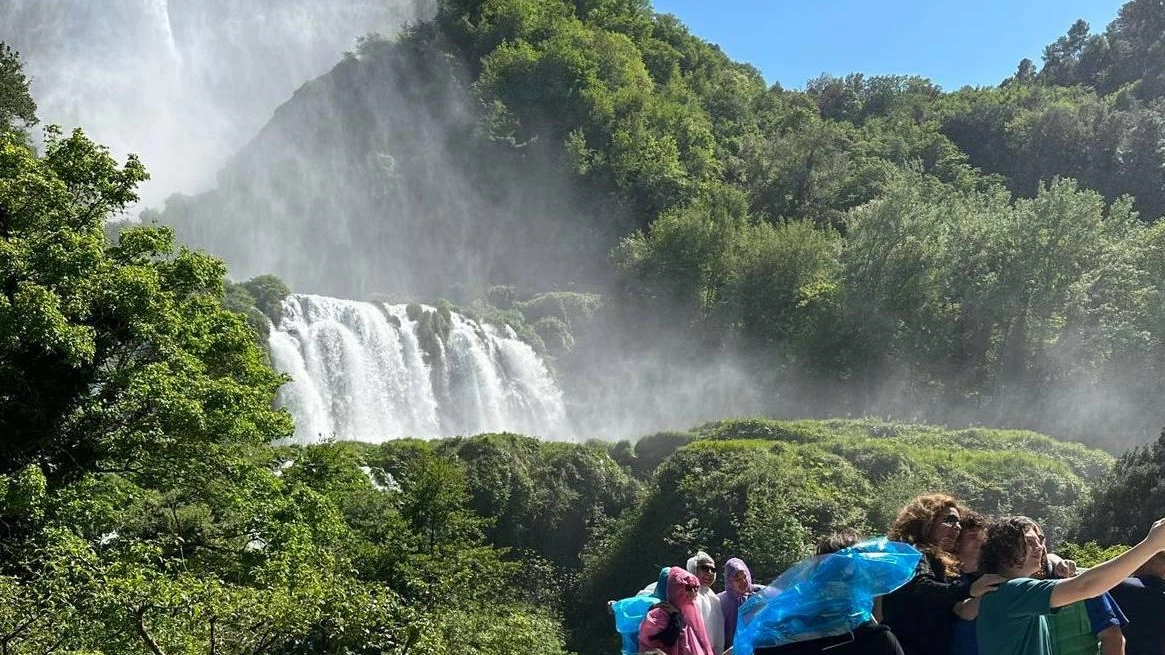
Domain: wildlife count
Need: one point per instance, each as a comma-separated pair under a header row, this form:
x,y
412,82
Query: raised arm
x,y
1099,579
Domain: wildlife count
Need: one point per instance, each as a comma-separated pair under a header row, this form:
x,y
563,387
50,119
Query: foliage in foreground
x,y
141,507
871,245
766,490
1129,497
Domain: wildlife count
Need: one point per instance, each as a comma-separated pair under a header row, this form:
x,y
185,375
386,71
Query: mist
x,y
374,181
182,83
276,143
368,169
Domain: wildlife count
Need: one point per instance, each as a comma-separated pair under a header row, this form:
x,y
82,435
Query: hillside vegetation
x,y
866,245
839,236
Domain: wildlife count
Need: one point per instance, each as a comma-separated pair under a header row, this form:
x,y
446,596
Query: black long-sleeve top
x,y
920,613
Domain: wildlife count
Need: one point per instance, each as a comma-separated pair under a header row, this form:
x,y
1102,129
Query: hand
x,y
610,607
1156,536
986,584
1062,568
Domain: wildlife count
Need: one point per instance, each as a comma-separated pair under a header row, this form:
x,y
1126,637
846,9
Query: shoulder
x,y
932,566
1027,585
1132,583
1020,596
1103,612
1128,590
928,564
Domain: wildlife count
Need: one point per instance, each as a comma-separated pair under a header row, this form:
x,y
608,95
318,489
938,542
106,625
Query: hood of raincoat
x,y
677,581
730,600
661,584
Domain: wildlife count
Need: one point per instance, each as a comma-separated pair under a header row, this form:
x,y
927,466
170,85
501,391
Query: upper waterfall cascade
x,y
371,372
183,83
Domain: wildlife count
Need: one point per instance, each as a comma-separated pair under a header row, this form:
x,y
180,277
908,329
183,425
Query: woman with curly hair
x,y
921,613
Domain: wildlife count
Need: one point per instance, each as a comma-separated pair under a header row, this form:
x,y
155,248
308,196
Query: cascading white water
x,y
359,371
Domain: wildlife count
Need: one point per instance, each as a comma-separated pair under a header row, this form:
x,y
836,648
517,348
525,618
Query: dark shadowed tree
x,y
17,108
1130,497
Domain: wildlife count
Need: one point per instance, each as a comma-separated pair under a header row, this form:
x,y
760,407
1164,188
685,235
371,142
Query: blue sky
x,y
953,42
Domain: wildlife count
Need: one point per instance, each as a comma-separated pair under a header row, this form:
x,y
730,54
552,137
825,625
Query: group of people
x,y
691,619
981,587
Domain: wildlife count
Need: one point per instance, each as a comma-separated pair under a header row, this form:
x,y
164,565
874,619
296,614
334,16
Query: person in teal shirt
x,y
1011,620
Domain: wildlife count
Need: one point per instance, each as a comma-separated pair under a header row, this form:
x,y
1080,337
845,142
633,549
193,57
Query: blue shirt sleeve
x,y
1103,613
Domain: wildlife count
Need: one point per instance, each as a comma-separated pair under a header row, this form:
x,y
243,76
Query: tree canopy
x,y
112,355
983,256
872,244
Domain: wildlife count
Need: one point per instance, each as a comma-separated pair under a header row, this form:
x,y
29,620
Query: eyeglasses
x,y
707,568
952,521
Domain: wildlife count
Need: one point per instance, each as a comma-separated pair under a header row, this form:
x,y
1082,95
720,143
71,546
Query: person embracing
x,y
921,613
1013,619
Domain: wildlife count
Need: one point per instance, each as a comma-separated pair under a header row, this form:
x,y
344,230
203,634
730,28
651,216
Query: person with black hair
x,y
1142,597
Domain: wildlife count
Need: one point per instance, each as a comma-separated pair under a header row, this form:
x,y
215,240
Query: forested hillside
x,y
866,245
870,246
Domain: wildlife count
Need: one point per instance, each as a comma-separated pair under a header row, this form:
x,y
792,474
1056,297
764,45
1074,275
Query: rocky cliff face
x,y
380,177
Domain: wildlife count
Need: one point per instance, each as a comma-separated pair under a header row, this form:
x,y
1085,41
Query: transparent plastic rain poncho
x,y
824,596
630,612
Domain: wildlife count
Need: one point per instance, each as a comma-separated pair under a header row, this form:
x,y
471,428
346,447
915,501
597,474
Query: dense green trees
x,y
872,244
1126,499
1030,133
766,490
114,356
142,507
965,301
1126,53
543,499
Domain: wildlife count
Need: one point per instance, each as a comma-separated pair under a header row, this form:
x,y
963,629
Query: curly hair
x,y
1006,545
973,521
914,522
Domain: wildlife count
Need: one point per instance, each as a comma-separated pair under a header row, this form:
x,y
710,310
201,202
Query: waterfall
x,y
372,372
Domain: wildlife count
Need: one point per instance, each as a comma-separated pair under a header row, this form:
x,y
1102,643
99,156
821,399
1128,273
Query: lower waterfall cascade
x,y
371,372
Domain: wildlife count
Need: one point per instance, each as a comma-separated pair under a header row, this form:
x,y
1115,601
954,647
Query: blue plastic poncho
x,y
629,612
824,596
